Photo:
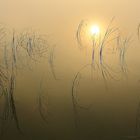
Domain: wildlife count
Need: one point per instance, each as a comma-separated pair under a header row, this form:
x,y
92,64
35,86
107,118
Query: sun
x,y
95,30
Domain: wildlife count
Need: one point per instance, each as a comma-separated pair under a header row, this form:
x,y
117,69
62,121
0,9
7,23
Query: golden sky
x,y
50,13
60,18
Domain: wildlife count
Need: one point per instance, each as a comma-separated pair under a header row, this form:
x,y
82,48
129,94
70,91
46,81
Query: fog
x,y
57,93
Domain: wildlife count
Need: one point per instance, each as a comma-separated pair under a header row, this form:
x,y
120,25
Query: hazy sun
x,y
95,30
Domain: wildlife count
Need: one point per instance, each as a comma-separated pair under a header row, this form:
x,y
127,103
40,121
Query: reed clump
x,y
111,39
12,46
